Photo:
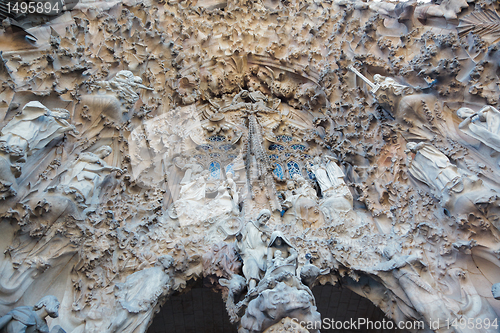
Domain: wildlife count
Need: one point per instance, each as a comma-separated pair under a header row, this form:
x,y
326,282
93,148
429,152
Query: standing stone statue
x,y
31,319
321,173
335,173
483,125
433,168
227,198
252,246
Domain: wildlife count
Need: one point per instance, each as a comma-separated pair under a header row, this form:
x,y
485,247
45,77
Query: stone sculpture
x,y
139,300
387,83
495,291
433,168
299,108
86,175
321,174
483,125
425,299
302,204
280,293
31,318
252,246
124,84
235,285
192,170
33,129
280,253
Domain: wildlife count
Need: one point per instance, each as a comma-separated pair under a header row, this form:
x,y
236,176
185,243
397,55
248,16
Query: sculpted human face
x,y
495,290
264,218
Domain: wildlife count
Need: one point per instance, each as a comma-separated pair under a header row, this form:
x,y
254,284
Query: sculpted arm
x,y
293,256
5,320
384,266
465,123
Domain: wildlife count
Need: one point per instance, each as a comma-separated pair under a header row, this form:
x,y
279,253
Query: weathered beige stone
x,y
141,140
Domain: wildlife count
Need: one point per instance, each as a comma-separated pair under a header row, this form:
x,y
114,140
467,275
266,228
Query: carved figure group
x,y
301,203
280,293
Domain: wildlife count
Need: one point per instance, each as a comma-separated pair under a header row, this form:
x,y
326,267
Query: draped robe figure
x,y
483,125
432,167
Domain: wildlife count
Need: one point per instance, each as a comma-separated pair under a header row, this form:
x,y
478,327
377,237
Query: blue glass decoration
x,y
229,169
276,147
293,168
278,171
214,170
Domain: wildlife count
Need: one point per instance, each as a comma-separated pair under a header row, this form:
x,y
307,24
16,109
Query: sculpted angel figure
x,y
389,83
86,175
124,84
424,298
140,295
34,129
252,246
433,168
483,125
30,319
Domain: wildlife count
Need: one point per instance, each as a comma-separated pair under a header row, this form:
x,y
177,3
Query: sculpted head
x,y
51,305
278,254
299,179
165,261
465,112
495,290
389,252
103,151
410,146
378,78
264,216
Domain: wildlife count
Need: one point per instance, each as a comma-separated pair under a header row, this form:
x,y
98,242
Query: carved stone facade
x,y
263,146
